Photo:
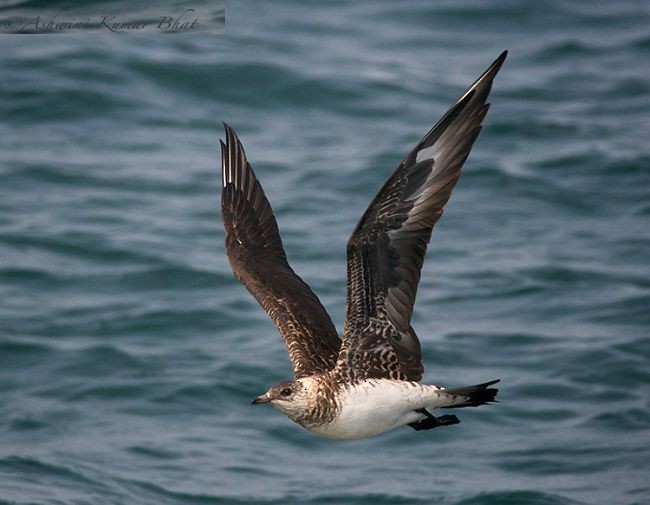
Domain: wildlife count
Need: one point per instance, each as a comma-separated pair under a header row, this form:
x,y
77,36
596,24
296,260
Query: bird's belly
x,y
373,407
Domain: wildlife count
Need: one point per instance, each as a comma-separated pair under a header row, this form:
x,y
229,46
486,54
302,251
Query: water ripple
x,y
129,352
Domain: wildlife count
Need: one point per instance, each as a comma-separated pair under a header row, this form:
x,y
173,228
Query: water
x,y
129,353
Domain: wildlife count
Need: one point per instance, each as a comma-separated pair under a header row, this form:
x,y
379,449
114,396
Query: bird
x,y
368,381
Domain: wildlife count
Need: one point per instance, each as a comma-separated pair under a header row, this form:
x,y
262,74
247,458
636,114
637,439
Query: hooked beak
x,y
261,399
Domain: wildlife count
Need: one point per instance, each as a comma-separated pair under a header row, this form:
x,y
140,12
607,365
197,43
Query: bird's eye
x,y
286,392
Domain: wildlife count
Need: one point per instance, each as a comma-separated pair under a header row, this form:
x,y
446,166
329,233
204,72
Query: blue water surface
x,y
128,351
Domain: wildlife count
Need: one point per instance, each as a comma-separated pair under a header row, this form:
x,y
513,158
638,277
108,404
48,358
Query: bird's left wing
x,y
386,250
258,260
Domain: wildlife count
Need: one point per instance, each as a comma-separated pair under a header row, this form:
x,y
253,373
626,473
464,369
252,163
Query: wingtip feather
x,y
488,76
233,159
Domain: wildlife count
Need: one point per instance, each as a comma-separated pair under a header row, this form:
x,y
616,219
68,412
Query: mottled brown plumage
x,y
386,249
258,260
385,256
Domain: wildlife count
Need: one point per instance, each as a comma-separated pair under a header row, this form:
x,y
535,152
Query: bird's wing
x,y
386,249
258,260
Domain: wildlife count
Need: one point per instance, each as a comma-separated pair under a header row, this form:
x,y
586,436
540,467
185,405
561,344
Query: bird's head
x,y
290,397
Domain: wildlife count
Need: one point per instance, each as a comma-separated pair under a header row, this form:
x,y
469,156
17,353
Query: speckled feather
x,y
385,253
387,248
258,260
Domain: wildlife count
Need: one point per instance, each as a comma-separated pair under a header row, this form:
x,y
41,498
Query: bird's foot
x,y
432,421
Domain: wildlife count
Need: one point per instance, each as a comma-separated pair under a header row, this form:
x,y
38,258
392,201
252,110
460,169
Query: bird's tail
x,y
472,396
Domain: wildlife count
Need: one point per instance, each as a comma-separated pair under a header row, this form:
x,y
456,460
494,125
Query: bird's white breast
x,y
375,406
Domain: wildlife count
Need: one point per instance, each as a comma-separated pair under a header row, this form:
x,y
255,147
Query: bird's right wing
x,y
258,260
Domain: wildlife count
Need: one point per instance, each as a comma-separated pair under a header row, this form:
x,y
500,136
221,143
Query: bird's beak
x,y
261,399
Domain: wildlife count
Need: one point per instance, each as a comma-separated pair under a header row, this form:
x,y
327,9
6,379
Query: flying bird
x,y
368,382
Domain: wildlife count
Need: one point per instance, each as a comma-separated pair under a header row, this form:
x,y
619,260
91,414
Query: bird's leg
x,y
432,421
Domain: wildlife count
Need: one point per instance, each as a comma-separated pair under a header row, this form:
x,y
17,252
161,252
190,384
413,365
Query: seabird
x,y
368,382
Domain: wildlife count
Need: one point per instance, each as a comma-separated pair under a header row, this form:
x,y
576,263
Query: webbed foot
x,y
432,421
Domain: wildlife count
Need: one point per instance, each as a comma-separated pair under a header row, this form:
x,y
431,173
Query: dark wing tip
x,y
224,154
492,69
474,97
227,127
247,214
234,165
500,59
486,78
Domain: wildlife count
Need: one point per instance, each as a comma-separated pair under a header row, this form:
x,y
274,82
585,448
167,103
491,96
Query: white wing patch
x,y
428,153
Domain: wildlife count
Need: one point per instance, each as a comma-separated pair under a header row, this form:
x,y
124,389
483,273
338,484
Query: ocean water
x,y
128,351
